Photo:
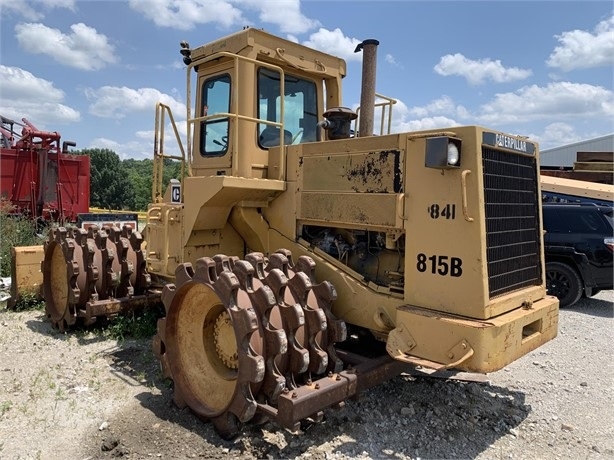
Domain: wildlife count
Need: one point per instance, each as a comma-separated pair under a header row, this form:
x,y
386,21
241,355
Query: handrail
x,y
389,102
160,156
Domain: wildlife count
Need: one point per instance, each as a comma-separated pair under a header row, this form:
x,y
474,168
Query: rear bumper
x,y
440,341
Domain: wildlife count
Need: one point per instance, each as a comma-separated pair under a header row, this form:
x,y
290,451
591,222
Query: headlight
x,y
453,154
442,152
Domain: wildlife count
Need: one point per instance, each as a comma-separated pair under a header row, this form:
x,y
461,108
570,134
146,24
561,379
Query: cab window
x,y
300,109
214,131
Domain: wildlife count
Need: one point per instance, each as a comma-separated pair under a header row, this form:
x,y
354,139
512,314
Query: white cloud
x,y
286,14
33,10
171,146
580,49
422,124
443,105
478,72
556,101
22,85
336,43
186,14
84,48
440,113
124,150
558,134
555,134
142,147
558,104
110,101
24,95
390,59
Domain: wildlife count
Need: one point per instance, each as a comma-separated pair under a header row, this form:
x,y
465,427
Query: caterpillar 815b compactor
x,y
306,261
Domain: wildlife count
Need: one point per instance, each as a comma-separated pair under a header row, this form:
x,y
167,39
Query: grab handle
x,y
464,190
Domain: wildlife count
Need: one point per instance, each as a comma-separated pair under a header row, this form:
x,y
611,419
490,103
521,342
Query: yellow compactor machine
x,y
302,259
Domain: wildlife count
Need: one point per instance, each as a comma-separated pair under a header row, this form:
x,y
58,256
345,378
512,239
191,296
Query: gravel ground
x,y
82,396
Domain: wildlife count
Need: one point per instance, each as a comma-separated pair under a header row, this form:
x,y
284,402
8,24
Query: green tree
x,y
140,174
110,186
172,170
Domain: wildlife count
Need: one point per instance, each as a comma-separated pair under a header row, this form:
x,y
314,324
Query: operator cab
x,y
255,95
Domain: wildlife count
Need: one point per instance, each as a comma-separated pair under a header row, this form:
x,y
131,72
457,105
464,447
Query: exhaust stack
x,y
367,95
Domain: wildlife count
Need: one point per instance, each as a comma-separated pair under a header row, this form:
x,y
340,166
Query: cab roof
x,y
261,45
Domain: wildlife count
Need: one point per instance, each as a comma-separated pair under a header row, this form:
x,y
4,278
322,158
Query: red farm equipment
x,y
39,177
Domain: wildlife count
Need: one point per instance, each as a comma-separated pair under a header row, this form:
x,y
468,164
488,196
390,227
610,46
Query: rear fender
x,y
577,260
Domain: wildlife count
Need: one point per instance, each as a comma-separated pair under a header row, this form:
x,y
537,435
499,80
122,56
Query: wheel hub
x,y
224,339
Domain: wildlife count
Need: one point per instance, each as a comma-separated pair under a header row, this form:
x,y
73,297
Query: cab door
x,y
212,149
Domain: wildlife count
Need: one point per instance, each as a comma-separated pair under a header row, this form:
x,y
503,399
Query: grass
x,y
141,325
16,230
5,407
28,301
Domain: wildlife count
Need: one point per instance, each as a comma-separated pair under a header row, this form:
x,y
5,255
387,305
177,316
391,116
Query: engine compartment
x,y
377,256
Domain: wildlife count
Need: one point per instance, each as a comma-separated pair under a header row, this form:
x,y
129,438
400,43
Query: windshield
x,y
300,109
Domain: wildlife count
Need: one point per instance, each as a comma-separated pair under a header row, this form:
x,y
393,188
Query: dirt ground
x,y
83,396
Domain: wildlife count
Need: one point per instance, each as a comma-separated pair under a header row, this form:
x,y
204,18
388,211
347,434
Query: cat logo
x,y
175,191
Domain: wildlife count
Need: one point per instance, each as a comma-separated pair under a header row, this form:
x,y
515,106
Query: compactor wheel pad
x,y
235,336
81,266
60,272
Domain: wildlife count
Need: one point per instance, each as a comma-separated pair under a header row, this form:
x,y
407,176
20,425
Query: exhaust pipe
x,y
367,95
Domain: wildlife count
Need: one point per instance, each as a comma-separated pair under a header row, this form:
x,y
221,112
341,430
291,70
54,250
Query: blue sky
x,y
93,70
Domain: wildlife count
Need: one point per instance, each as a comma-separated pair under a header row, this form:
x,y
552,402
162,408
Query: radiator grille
x,y
512,221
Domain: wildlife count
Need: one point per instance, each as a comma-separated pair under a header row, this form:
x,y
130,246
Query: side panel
x,y
445,253
17,171
73,173
352,188
475,229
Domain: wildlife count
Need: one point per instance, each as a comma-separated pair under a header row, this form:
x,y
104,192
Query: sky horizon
x,y
93,70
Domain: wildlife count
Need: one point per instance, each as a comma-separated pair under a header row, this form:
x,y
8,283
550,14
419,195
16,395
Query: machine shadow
x,y
434,416
594,307
42,325
437,427
432,426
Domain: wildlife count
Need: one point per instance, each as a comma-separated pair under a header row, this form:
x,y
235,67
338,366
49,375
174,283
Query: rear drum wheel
x,y
61,278
57,294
